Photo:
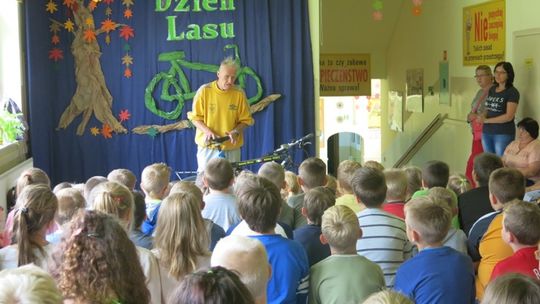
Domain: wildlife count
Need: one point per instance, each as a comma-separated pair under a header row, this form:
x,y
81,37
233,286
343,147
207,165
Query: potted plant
x,y
11,127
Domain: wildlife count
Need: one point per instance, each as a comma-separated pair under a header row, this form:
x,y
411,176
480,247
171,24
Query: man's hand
x,y
233,135
209,135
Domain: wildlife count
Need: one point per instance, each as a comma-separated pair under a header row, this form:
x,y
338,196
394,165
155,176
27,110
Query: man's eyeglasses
x,y
478,76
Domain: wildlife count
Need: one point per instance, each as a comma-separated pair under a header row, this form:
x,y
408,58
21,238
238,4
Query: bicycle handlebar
x,y
219,140
300,142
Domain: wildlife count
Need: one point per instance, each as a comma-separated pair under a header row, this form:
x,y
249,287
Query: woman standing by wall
x,y
501,105
484,78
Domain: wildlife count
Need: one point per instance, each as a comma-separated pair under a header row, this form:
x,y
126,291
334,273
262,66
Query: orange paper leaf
x,y
106,131
127,73
89,35
92,5
69,3
128,13
108,25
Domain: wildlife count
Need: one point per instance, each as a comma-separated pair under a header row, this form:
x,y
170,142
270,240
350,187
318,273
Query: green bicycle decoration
x,y
176,87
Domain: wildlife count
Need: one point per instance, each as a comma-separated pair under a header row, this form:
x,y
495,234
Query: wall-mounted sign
x,y
345,75
484,27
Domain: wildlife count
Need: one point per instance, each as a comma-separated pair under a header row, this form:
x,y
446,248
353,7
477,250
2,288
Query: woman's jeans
x,y
496,143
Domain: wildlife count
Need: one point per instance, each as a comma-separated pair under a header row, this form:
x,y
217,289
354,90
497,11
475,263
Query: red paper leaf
x,y
126,32
56,54
106,131
124,115
108,1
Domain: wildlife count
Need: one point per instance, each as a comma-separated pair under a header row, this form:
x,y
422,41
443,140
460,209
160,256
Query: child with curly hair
x,y
98,263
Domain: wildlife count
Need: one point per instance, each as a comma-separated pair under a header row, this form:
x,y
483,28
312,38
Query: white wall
x,y
419,42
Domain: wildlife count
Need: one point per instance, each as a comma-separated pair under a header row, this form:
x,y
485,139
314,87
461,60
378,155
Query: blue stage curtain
x,y
273,39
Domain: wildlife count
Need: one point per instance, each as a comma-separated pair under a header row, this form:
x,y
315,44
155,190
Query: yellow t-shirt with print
x,y
221,111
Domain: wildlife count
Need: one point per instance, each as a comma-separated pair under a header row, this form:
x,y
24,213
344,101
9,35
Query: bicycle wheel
x,y
168,80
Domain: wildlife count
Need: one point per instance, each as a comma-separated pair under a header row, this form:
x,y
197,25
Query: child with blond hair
x,y
512,288
248,258
455,238
36,207
215,232
396,182
459,183
521,231
344,276
154,183
115,199
292,187
437,274
70,201
181,241
30,176
345,173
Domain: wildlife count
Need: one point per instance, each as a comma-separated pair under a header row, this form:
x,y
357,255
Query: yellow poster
x,y
484,27
345,75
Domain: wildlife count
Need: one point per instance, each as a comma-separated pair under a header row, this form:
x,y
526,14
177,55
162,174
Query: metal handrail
x,y
430,129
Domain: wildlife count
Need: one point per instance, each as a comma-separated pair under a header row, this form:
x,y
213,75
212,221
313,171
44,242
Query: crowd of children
x,y
368,236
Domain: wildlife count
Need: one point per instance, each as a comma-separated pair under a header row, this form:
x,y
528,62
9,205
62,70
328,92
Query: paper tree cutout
x,y
92,97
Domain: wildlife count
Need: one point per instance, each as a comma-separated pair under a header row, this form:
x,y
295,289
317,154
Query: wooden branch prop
x,y
92,95
184,124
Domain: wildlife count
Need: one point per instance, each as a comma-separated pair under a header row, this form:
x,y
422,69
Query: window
x,y
10,54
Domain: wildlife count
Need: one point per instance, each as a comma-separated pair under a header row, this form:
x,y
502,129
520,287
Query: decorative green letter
x,y
226,30
171,21
162,5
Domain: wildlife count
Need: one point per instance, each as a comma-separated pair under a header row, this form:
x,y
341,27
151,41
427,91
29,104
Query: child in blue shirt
x,y
259,203
437,274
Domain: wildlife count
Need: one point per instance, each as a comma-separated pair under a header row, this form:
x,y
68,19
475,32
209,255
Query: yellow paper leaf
x,y
51,7
68,25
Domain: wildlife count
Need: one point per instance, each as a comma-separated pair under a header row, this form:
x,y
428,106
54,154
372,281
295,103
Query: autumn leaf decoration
x,y
124,115
106,131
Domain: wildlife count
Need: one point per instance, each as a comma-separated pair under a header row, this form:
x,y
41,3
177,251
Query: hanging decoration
x,y
417,7
377,10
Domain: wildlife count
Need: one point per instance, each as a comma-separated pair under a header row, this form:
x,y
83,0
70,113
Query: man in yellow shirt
x,y
220,108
